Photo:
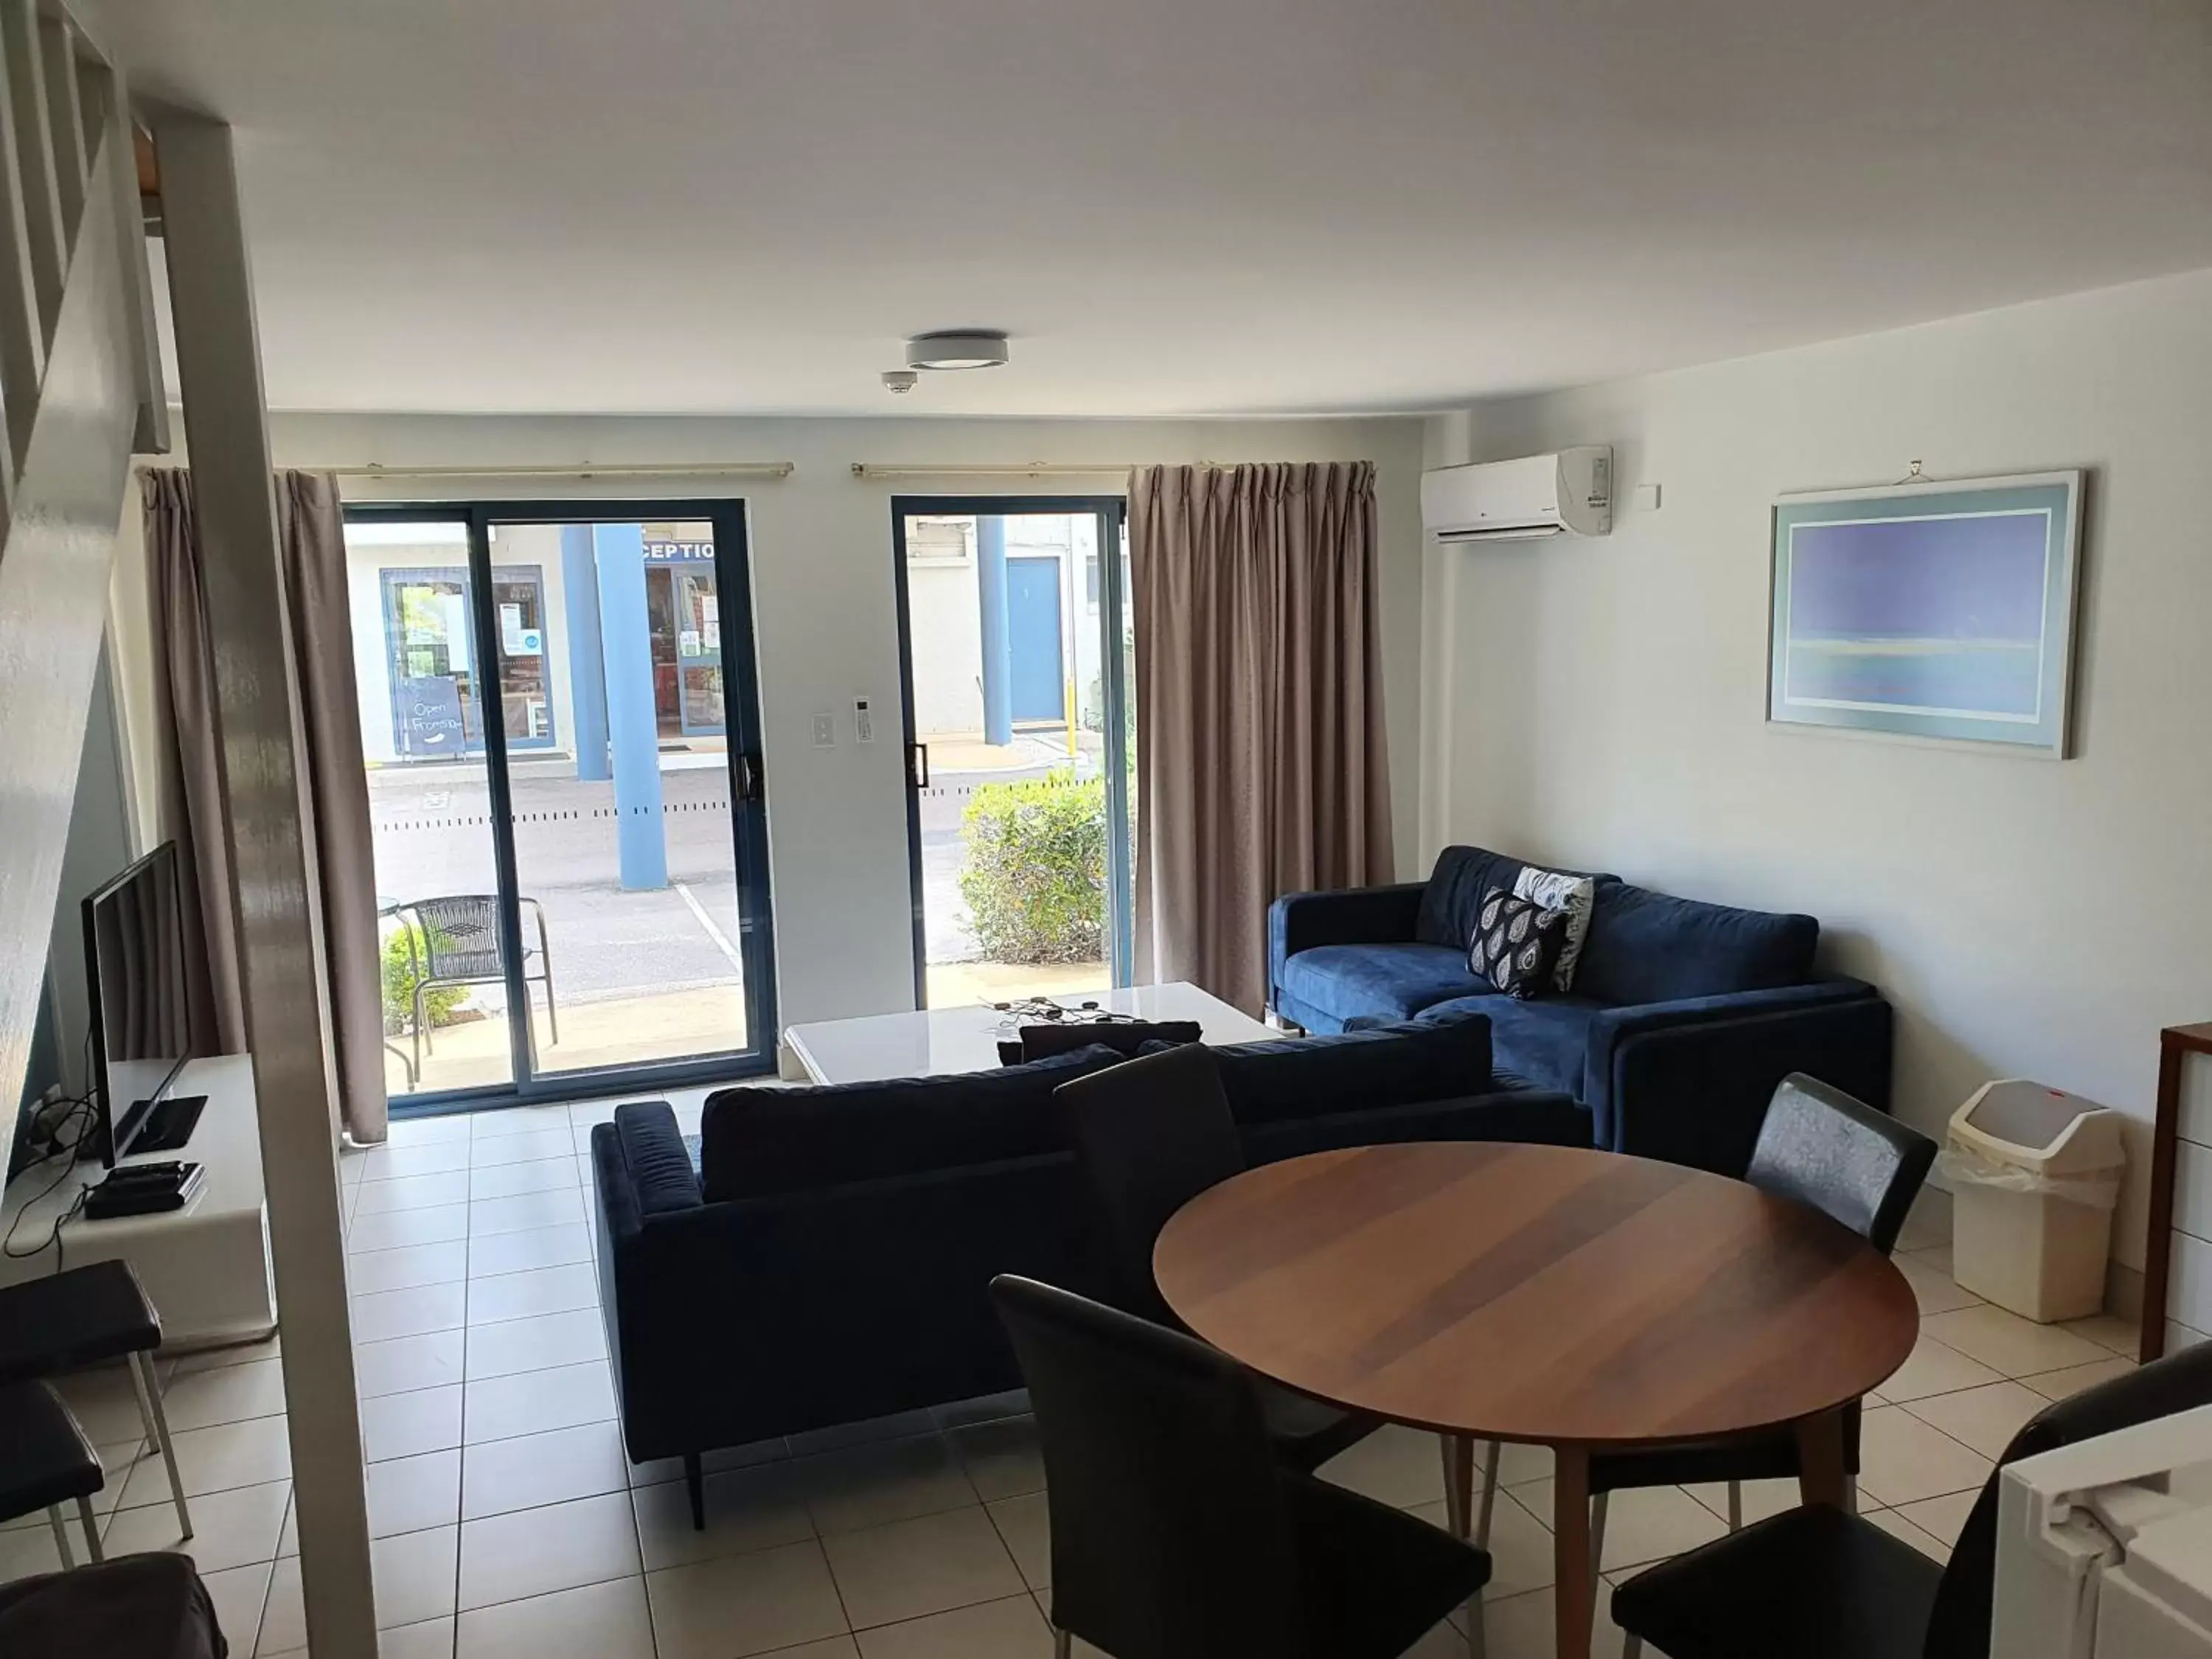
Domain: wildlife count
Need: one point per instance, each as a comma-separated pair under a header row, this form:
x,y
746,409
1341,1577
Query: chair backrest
x,y
1958,1627
1820,1146
1149,1135
459,934
1170,1537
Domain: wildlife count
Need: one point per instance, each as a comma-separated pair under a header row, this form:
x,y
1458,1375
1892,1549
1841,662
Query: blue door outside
x,y
1039,684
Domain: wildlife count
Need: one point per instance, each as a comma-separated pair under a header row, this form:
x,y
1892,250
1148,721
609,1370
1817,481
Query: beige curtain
x,y
334,785
1262,763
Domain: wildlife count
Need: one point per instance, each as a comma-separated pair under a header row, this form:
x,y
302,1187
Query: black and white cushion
x,y
1555,890
1516,944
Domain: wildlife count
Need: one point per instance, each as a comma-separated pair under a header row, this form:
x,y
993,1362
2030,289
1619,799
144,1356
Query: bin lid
x,y
2037,1121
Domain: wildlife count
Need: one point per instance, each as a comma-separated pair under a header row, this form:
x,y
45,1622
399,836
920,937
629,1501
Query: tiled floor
x,y
506,1521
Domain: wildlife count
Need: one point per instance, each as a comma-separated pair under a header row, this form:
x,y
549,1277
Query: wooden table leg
x,y
1574,1572
1821,1460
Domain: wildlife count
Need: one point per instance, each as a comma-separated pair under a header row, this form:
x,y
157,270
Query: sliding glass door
x,y
561,724
1016,671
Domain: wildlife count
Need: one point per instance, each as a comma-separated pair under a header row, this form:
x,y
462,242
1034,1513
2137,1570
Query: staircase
x,y
79,392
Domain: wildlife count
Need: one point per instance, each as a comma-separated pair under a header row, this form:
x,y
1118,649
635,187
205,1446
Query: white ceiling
x,y
1174,206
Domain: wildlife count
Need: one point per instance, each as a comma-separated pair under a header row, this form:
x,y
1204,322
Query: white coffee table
x,y
935,1040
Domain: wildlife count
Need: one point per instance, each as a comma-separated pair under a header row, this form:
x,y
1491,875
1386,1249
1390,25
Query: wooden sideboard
x,y
2177,1271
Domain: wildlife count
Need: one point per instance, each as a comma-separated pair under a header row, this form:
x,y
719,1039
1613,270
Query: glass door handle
x,y
917,765
748,778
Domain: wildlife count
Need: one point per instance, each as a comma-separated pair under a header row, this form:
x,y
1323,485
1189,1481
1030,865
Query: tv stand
x,y
205,1266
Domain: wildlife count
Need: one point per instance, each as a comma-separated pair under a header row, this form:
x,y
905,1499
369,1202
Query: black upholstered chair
x,y
1816,1583
46,1462
1863,1167
86,1316
1175,1532
136,1606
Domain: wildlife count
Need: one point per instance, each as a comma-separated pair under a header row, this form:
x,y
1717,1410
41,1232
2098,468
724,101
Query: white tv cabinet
x,y
205,1266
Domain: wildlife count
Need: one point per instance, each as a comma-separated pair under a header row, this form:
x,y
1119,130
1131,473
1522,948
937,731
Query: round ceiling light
x,y
961,347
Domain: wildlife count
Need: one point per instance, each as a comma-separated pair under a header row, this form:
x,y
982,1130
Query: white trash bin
x,y
2034,1173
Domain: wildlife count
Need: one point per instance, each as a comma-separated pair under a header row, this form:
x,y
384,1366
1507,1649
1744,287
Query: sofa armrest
x,y
1355,915
1689,1081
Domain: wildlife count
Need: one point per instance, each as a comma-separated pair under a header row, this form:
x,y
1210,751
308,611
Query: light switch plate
x,y
825,730
1646,498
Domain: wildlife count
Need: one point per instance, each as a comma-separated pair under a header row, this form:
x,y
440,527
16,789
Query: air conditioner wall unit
x,y
1567,493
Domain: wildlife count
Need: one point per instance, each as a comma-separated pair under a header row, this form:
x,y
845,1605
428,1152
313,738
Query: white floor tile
x,y
529,1147
511,1180
284,1615
913,1568
538,1344
431,1639
397,1162
236,1353
412,1312
221,1459
1904,1460
606,1620
502,1407
503,1122
2122,1336
440,1130
407,1494
1936,1369
407,1362
413,1575
234,1529
238,1593
746,1509
1011,1629
232,1394
1024,1525
738,1604
1394,1465
588,1541
1985,1419
402,1230
501,1476
1762,1499
1894,1522
1519,1544
536,1290
103,1403
2064,1384
1942,1518
661,1470
2015,1346
421,1192
1642,1525
370,1272
1935,1292
892,1480
539,1247
1002,1459
405,1425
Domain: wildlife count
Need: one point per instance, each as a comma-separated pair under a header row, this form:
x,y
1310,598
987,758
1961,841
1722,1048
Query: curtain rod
x,y
578,470
1024,470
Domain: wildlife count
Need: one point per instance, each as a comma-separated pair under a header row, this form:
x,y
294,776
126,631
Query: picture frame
x,y
1941,610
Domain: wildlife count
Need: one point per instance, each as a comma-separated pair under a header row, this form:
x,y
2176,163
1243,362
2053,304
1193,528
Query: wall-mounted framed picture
x,y
1941,610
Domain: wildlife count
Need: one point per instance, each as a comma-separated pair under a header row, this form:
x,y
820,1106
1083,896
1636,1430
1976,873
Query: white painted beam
x,y
35,155
65,119
280,925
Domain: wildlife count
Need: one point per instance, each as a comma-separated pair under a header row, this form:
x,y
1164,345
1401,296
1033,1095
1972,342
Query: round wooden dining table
x,y
1580,1300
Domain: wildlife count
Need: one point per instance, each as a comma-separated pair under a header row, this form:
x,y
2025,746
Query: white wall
x,y
825,612
1602,703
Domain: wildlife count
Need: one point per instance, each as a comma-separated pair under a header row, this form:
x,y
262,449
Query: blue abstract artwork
x,y
1942,612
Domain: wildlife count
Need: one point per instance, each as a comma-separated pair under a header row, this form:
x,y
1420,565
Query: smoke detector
x,y
897,381
961,348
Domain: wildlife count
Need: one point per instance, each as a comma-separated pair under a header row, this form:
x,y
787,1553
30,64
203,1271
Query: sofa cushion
x,y
1393,980
1463,876
1653,947
755,1142
1517,944
1399,1065
1542,1041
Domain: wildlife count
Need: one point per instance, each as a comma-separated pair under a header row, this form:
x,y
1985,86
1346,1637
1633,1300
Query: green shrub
x,y
440,1005
1035,871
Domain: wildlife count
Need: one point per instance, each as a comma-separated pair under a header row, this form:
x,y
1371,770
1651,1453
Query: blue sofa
x,y
828,1257
1681,1018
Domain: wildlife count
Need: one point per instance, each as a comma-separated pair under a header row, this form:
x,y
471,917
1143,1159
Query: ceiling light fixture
x,y
961,347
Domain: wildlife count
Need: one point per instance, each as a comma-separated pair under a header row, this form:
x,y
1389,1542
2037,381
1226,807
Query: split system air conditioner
x,y
1568,494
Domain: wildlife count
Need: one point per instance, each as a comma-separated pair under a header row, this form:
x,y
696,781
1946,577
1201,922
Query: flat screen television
x,y
134,950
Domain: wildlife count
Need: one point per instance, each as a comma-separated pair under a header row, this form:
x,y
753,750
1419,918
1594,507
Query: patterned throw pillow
x,y
1516,944
1557,890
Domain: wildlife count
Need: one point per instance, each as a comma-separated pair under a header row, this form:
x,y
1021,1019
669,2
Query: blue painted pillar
x,y
588,679
633,726
998,633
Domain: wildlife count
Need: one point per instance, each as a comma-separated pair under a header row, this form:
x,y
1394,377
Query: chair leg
x,y
1062,1644
422,1036
1489,1493
1851,1494
91,1529
694,1482
1478,1639
157,1429
1736,1506
1459,1482
552,1008
1631,1646
61,1536
1597,1532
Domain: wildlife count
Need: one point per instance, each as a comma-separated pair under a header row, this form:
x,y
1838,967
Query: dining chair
x,y
46,1462
1817,1583
1178,1533
1820,1146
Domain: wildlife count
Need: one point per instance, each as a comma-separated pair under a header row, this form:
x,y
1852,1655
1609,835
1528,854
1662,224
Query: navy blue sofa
x,y
1681,1018
828,1258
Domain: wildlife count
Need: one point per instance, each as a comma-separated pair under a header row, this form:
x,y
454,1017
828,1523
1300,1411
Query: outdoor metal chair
x,y
453,941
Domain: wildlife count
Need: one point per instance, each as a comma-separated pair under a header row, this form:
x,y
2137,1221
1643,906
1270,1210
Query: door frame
x,y
743,760
1112,513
